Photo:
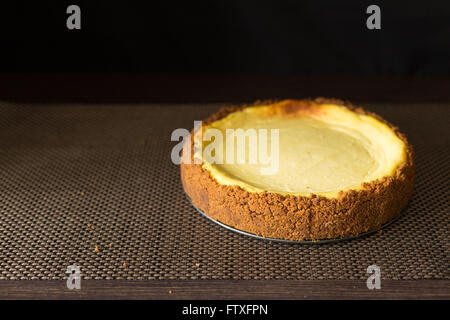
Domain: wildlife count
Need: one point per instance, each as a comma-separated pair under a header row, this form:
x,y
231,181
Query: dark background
x,y
227,37
230,51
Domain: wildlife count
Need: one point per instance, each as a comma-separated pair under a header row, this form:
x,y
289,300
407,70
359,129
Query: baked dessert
x,y
341,171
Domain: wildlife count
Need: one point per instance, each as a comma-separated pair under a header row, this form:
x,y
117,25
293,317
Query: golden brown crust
x,y
291,217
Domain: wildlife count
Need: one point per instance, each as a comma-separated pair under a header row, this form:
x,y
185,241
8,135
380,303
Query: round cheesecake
x,y
328,170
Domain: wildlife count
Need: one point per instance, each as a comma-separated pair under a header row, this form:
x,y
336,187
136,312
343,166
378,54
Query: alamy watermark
x,y
73,21
373,22
74,279
232,146
374,281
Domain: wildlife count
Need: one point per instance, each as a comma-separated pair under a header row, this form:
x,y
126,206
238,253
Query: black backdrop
x,y
227,37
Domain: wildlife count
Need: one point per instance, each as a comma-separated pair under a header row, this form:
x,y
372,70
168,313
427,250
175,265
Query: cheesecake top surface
x,y
319,149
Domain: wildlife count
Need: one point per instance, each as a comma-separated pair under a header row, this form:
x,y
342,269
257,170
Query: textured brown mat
x,y
74,178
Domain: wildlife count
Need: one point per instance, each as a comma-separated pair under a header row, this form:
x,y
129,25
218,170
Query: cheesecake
x,y
304,170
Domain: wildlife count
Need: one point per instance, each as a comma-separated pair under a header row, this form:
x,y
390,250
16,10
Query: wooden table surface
x,y
227,89
225,289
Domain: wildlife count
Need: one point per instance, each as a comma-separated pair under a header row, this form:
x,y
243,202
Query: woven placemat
x,y
94,185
